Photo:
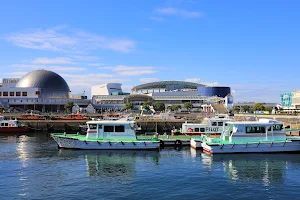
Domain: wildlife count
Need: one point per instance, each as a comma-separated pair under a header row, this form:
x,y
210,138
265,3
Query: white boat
x,y
210,126
113,135
263,136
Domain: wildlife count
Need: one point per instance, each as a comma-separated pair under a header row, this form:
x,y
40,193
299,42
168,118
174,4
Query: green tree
x,y
269,108
236,109
246,108
146,105
175,107
128,105
69,106
158,106
259,107
188,105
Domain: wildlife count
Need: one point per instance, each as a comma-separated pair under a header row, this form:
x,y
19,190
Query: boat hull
x,y
266,147
15,129
70,143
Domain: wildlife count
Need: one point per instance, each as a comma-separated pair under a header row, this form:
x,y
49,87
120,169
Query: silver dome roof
x,y
43,79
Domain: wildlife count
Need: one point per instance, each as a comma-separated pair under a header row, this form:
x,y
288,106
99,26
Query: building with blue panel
x,y
214,91
286,99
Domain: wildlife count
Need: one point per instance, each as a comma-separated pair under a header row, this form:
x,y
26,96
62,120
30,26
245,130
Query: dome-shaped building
x,y
49,84
41,90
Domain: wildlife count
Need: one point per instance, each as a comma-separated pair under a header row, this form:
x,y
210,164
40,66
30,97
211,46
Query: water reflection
x,y
112,164
266,168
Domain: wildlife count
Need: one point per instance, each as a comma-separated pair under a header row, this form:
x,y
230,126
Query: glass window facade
x,y
286,99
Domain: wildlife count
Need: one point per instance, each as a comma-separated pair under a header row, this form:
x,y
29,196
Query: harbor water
x,y
31,167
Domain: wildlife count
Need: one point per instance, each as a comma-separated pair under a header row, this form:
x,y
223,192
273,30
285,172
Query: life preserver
x,y
190,130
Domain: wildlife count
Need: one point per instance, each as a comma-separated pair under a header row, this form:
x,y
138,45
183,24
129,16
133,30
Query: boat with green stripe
x,y
107,135
263,136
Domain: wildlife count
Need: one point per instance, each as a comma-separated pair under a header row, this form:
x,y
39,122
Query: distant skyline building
x,y
290,101
107,89
169,93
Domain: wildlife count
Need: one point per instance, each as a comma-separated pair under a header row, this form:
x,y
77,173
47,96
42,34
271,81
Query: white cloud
x,y
107,68
81,82
194,80
66,40
16,74
158,19
48,67
51,61
148,80
127,88
95,64
134,71
86,58
124,70
93,41
179,12
197,80
211,84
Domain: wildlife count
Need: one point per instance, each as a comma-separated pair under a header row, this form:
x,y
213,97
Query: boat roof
x,y
260,122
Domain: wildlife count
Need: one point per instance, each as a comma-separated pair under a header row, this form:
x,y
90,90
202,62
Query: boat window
x,y
220,123
99,126
196,130
277,127
256,129
6,124
119,128
226,124
202,129
93,126
108,128
214,124
2,124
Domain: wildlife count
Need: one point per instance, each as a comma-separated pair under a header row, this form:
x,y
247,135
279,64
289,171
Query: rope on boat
x,y
133,143
98,142
122,142
109,143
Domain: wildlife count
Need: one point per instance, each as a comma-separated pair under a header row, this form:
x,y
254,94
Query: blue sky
x,y
253,46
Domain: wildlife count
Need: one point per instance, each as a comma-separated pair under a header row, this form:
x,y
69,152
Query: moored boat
x,y
72,117
12,126
209,126
31,116
113,135
263,136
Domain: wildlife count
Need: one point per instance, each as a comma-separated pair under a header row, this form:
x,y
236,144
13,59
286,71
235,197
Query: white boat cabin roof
x,y
269,122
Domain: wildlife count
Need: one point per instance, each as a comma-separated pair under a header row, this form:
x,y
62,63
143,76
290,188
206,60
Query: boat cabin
x,y
213,125
8,123
254,131
110,130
